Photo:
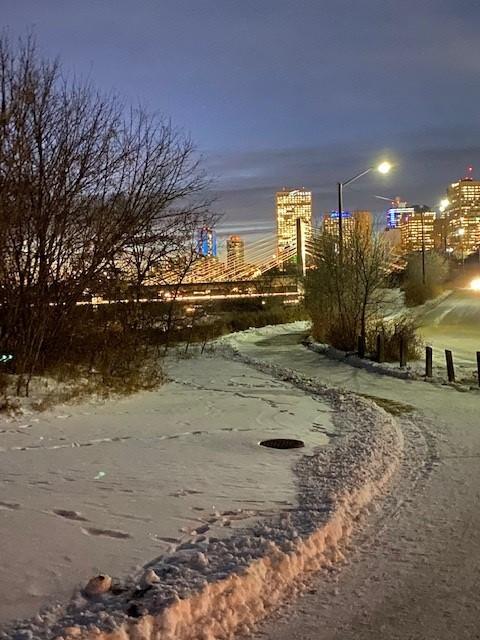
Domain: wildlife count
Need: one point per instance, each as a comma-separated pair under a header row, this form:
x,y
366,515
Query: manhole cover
x,y
282,443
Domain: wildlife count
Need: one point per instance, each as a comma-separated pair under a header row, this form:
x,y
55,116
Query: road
x,y
454,324
414,572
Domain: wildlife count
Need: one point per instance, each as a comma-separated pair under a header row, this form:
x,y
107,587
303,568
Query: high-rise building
x,y
235,254
207,242
398,209
417,230
291,205
357,222
463,215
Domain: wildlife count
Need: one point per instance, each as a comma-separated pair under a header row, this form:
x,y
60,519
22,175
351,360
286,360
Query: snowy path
x,y
415,573
454,324
107,487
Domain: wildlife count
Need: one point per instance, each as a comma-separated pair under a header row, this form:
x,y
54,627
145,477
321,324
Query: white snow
x,y
104,487
212,587
413,572
451,321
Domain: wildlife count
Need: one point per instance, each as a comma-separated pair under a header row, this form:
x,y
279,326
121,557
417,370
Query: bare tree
x,y
178,265
82,178
343,297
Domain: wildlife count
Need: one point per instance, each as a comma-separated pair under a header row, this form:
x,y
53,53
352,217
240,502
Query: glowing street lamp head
x,y
444,203
461,231
384,167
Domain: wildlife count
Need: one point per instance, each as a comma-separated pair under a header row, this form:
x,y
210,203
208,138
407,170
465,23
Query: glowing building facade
x,y
291,205
357,222
235,254
418,229
463,215
396,212
207,242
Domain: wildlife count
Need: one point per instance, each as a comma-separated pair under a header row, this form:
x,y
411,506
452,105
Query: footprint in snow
x,y
184,492
109,533
11,506
167,539
70,515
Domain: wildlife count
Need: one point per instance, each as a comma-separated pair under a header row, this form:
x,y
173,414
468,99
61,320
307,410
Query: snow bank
x,y
466,377
213,589
384,368
252,334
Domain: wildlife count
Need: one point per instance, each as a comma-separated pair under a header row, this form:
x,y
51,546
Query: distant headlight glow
x,y
475,284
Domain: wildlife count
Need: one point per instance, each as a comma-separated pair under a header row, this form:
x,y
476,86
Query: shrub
x,y
10,406
392,333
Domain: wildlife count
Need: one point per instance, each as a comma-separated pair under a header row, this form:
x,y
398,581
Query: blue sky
x,y
288,93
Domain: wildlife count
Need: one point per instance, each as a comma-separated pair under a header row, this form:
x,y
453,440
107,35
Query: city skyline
x,y
393,216
383,90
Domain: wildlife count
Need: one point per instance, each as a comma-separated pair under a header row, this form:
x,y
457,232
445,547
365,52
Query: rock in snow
x,y
98,585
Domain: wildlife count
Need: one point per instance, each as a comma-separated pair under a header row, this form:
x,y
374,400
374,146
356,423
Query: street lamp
x,y
423,247
444,204
383,167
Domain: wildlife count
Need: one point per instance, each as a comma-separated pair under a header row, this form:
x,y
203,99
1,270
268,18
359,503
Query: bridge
x,y
266,274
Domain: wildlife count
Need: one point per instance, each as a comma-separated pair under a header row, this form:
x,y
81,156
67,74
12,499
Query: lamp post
x,y
423,248
383,167
443,206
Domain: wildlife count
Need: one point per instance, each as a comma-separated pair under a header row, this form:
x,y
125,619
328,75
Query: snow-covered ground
x,y
105,487
413,573
452,321
454,324
175,481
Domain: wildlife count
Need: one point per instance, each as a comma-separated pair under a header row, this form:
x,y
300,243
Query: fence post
x,y
380,348
428,362
478,367
403,352
450,367
361,346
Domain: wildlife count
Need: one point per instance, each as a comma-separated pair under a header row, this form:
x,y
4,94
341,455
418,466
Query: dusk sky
x,y
288,92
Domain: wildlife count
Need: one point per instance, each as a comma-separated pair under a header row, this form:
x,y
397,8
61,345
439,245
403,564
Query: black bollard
x,y
380,348
428,362
450,367
403,352
361,346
